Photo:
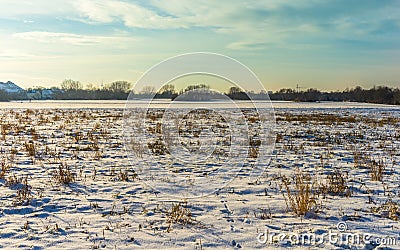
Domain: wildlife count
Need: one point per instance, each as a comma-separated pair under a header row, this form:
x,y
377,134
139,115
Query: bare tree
x,y
69,84
148,90
167,88
120,86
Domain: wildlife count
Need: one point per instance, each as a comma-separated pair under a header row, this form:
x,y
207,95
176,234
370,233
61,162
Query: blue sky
x,y
327,44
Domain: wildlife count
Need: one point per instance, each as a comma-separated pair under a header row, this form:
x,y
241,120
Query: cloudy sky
x,y
327,44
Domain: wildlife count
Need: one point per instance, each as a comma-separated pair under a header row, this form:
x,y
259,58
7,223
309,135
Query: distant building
x,y
40,94
34,94
48,93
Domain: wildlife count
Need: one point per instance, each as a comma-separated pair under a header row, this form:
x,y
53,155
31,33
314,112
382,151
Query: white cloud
x,y
95,11
218,16
13,9
132,15
246,24
70,38
157,14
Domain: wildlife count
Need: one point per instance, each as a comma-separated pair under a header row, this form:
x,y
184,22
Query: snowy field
x,y
66,182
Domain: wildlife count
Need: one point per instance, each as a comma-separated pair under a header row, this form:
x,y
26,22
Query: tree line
x,y
380,94
74,90
119,90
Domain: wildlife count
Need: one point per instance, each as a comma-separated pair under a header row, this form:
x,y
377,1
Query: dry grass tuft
x,y
5,128
376,169
158,147
24,193
4,169
30,148
63,174
302,198
179,214
389,209
23,189
13,180
336,184
123,175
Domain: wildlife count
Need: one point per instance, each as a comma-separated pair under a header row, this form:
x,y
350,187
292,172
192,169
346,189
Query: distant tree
x,y
313,95
197,86
90,87
234,90
119,86
166,91
148,90
69,84
396,97
167,88
238,94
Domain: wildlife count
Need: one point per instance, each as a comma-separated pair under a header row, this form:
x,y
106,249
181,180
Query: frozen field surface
x,y
66,182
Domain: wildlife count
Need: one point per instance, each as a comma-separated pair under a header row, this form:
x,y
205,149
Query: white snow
x,y
100,209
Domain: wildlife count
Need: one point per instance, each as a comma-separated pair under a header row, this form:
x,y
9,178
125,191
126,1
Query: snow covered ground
x,y
67,182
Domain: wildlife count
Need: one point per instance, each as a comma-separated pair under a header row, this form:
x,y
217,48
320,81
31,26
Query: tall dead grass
x,y
301,195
